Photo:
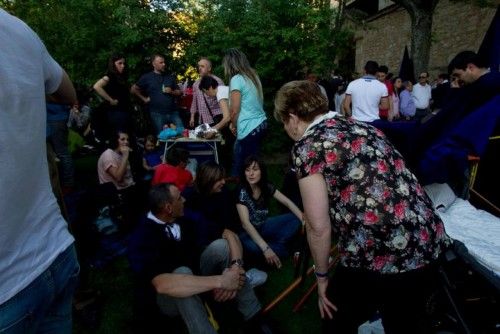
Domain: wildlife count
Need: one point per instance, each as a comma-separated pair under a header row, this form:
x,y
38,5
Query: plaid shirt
x,y
199,106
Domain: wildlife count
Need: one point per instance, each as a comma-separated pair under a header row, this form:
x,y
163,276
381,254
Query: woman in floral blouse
x,y
354,182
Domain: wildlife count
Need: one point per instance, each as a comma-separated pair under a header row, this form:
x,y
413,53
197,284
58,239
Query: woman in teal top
x,y
248,119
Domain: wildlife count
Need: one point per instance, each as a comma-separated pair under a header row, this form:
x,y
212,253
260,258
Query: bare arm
x,y
146,166
226,118
315,197
65,93
347,105
118,172
175,91
182,285
289,204
235,103
135,90
235,248
99,88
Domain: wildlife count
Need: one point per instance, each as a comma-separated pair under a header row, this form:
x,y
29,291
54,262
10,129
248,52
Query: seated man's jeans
x,y
44,306
250,145
214,259
159,120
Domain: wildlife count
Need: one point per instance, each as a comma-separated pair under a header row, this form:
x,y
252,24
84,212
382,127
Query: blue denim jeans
x,y
58,138
250,145
213,261
44,306
159,120
276,231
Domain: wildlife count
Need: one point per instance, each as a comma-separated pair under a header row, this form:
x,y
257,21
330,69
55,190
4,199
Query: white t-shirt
x,y
32,230
421,95
366,93
222,93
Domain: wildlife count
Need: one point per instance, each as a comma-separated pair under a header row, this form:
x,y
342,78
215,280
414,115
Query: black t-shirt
x,y
211,214
118,89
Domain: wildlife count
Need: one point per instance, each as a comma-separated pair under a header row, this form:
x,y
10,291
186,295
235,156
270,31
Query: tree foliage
x,y
81,35
281,38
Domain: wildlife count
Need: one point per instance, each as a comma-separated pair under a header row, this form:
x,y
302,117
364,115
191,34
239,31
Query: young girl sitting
x,y
151,158
262,234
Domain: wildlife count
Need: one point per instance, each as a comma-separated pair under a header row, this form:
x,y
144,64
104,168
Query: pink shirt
x,y
110,158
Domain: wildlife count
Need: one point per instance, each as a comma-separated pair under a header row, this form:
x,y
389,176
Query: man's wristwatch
x,y
238,262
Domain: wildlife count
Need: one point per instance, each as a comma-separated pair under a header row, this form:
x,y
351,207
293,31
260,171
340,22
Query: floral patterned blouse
x,y
384,220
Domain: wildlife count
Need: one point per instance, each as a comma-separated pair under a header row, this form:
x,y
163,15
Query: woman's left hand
x,y
326,307
233,129
272,258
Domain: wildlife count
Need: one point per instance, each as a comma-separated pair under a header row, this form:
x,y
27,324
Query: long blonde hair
x,y
235,62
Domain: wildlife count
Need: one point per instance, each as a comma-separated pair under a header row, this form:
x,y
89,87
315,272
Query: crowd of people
x,y
197,242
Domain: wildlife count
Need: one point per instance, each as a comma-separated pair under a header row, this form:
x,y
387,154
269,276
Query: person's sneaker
x,y
256,277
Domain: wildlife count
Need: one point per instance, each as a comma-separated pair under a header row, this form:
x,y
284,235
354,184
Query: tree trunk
x,y
421,31
420,12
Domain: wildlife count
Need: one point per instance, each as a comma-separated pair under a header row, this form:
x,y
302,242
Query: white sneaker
x,y
256,277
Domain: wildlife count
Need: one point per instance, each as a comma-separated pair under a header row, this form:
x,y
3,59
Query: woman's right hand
x,y
272,258
125,150
325,306
113,102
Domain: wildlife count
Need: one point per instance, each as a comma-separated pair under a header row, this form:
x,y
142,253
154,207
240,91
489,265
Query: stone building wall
x,y
456,26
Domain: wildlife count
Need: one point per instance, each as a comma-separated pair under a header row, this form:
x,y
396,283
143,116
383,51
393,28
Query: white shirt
x,y
32,230
421,95
222,93
173,229
366,93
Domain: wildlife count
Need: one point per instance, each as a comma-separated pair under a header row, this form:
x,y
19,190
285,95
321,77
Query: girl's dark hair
x,y
207,174
208,81
112,72
396,90
113,143
263,182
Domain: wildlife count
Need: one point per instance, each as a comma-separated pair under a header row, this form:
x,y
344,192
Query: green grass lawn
x,y
116,288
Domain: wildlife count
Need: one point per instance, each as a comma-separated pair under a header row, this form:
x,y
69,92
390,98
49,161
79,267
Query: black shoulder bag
x,y
216,118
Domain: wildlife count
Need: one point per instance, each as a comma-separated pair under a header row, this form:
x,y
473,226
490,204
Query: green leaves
x,y
81,35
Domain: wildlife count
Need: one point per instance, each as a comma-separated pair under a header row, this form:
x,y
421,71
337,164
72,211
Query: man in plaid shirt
x,y
206,106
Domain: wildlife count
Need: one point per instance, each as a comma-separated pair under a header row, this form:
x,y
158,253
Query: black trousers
x,y
400,299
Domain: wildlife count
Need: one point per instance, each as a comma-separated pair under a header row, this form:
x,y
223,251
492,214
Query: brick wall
x,y
456,26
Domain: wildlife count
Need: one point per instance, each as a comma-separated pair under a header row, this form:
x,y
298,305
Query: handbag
x,y
216,118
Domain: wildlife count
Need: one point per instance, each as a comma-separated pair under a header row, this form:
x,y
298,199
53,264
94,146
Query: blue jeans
x,y
44,306
159,120
276,231
58,138
250,145
213,261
